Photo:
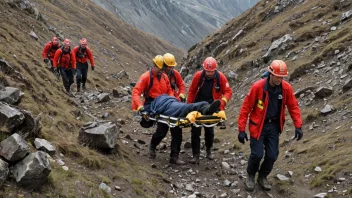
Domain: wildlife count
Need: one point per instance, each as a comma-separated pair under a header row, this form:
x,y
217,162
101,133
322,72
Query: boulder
x,y
327,109
33,170
99,135
346,15
323,92
348,85
119,92
278,43
31,126
10,95
44,145
14,148
33,34
4,171
103,97
10,118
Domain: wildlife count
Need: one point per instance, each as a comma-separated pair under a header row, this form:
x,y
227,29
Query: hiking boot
x,y
177,161
263,182
84,87
250,183
210,156
194,160
212,108
152,153
69,93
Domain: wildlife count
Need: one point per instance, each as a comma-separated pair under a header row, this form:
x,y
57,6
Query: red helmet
x,y
210,64
67,42
278,68
83,41
55,40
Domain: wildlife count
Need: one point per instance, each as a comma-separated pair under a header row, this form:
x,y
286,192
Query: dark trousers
x,y
195,138
176,138
67,77
268,142
82,72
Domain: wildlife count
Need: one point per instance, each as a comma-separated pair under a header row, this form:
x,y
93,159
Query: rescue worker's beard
x,y
209,77
274,81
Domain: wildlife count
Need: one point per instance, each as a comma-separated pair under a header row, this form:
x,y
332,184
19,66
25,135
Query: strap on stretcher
x,y
204,121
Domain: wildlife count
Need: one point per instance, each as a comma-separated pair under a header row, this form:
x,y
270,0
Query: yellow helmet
x,y
169,60
158,61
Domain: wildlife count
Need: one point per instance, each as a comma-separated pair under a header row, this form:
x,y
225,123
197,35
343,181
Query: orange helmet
x,y
210,64
55,40
278,68
83,41
67,42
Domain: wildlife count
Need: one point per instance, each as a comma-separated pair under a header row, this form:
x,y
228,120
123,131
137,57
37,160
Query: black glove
x,y
92,68
74,71
242,136
298,134
46,60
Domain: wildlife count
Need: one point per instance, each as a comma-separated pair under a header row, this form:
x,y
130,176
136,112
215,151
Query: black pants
x,y
82,72
268,142
195,138
67,77
176,138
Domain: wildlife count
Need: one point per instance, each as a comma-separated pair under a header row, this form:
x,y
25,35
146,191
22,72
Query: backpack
x,y
80,54
51,47
146,93
216,75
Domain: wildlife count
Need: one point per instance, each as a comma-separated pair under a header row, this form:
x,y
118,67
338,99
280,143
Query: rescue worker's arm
x,y
45,51
75,50
247,106
180,85
137,91
293,108
73,60
56,57
193,88
225,90
90,56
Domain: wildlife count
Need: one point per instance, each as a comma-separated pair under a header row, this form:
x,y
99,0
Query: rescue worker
x,y
50,49
207,85
152,84
82,53
65,63
265,105
176,82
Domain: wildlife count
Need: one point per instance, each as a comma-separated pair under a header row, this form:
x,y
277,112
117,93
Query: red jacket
x,y
176,79
65,61
256,106
158,88
225,89
87,54
49,50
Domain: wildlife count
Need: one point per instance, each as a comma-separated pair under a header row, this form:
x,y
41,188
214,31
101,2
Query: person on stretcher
x,y
170,106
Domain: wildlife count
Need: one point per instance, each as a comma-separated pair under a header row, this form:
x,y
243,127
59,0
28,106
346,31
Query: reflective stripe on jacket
x,y
256,106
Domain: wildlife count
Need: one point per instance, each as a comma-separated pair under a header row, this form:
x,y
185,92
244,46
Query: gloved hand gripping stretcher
x,y
193,118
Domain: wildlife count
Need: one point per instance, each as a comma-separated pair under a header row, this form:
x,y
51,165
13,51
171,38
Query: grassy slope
x,y
328,146
116,46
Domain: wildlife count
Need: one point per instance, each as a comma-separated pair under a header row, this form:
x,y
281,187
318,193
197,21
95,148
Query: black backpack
x,y
216,75
81,54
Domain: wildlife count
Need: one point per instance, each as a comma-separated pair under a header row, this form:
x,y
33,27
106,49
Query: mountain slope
x,y
117,47
182,22
314,39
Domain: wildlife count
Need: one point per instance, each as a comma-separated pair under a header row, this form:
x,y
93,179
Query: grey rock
x,y
318,169
4,171
346,15
10,95
102,136
223,195
10,118
227,183
327,109
33,35
44,145
118,188
103,97
348,85
31,126
321,195
225,166
120,92
239,33
333,28
33,170
105,187
189,187
14,148
323,92
282,177
277,43
236,191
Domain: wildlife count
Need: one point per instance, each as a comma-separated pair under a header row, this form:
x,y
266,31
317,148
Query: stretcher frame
x,y
203,121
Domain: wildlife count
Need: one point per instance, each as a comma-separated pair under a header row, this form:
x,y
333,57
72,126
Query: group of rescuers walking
x,y
68,63
264,106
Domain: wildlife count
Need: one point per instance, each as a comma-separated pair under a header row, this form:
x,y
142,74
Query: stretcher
x,y
192,119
